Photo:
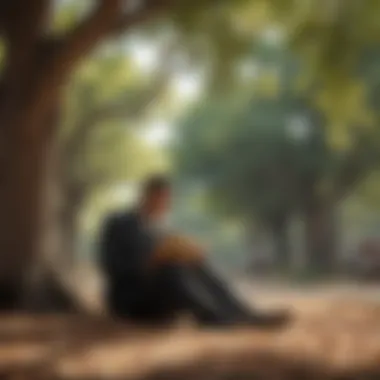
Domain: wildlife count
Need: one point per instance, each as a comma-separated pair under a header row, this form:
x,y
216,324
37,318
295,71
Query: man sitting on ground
x,y
153,276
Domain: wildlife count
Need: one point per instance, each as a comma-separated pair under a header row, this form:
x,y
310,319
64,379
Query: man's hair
x,y
156,184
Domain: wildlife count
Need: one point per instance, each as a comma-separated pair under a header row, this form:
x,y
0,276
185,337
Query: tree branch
x,y
79,42
86,35
104,20
63,59
152,9
129,106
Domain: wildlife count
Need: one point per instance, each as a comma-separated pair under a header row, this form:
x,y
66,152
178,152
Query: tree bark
x,y
321,239
27,278
281,243
21,204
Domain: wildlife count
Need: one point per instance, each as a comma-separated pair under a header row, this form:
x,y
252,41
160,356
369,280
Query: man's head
x,y
156,194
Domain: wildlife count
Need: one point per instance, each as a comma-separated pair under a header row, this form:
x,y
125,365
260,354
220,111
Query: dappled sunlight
x,y
335,337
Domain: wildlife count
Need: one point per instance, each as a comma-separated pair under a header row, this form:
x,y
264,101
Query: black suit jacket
x,y
126,250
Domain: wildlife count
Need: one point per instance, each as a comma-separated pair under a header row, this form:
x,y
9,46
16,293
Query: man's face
x,y
158,203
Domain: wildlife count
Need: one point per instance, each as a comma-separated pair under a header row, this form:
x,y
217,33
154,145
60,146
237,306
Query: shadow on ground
x,y
341,342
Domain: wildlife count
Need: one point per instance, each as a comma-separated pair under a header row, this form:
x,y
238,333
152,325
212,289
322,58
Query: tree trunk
x,y
320,236
21,204
281,244
27,279
26,111
48,287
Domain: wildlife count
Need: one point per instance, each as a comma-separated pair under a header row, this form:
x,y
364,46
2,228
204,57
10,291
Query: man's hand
x,y
178,249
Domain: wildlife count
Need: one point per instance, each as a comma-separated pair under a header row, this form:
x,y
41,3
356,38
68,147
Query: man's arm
x,y
177,249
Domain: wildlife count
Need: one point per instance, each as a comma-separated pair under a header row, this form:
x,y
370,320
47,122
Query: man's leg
x,y
221,290
169,290
178,288
230,302
194,288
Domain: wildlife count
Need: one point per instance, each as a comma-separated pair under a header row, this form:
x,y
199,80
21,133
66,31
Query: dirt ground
x,y
336,335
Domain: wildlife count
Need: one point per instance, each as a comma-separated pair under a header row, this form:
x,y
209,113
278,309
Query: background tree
x,y
253,163
266,173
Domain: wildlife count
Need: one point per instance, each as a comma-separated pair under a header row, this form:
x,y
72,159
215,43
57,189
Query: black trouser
x,y
179,288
